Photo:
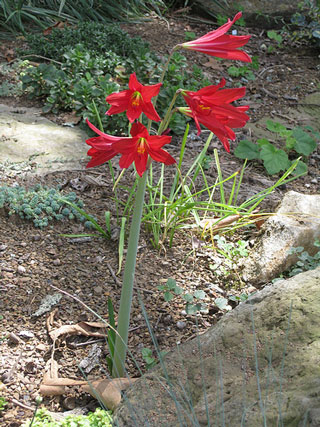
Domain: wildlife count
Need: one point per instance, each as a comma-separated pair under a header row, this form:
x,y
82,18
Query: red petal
x,y
161,156
150,111
138,129
140,162
133,113
149,92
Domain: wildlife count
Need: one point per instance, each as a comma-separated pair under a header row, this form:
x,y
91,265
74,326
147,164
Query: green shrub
x,y
88,71
307,23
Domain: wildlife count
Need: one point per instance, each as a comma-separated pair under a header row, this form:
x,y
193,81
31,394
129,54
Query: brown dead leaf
x,y
108,391
105,390
70,119
60,25
88,329
51,374
212,225
214,64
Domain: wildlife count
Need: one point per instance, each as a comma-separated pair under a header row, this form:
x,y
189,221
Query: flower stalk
x,y
120,350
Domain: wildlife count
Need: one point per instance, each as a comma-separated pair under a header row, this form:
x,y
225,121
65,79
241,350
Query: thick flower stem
x,y
128,281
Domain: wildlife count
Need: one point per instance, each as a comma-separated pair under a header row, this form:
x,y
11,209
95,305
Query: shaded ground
x,y
32,260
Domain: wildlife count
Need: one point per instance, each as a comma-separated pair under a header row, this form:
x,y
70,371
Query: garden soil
x,y
35,264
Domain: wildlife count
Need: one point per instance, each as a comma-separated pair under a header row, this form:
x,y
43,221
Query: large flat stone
x,y
27,136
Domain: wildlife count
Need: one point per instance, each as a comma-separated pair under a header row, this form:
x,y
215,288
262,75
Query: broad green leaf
x,y
200,294
247,150
193,308
221,303
146,352
262,141
275,126
171,284
188,297
274,160
178,290
290,142
168,296
305,144
301,168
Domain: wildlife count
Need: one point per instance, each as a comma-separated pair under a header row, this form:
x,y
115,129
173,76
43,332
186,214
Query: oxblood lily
x,y
135,100
136,149
211,107
216,43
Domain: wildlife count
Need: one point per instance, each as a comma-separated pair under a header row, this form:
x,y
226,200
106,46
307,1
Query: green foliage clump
x,y
307,23
3,404
97,60
99,418
301,141
39,204
305,260
98,38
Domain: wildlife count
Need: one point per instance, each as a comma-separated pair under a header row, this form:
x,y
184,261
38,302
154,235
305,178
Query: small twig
x,y
80,344
115,278
269,93
16,402
41,57
143,290
290,119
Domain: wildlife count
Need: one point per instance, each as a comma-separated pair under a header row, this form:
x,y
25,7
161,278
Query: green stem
x,y
165,122
128,282
165,68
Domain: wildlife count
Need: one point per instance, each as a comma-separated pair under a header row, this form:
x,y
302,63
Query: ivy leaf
x,y
274,160
221,303
275,126
188,297
193,308
171,284
247,150
301,168
262,141
199,294
305,144
178,290
168,296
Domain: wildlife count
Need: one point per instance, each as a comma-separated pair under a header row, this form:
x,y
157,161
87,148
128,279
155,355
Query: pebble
x,y
56,261
3,247
41,347
26,334
98,290
36,237
314,181
181,324
21,269
307,185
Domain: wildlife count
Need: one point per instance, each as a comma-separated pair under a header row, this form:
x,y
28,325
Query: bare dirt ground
x,y
33,260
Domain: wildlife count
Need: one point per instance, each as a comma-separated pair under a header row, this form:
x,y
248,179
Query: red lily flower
x,y
136,149
135,100
211,107
216,43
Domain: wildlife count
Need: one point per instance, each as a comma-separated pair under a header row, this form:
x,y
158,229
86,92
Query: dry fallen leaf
x,y
107,391
51,374
88,329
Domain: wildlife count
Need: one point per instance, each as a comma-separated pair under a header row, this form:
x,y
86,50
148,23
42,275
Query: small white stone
x,y
181,324
21,269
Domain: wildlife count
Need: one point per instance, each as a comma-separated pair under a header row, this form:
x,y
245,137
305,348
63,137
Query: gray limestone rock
x,y
27,136
259,361
296,223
